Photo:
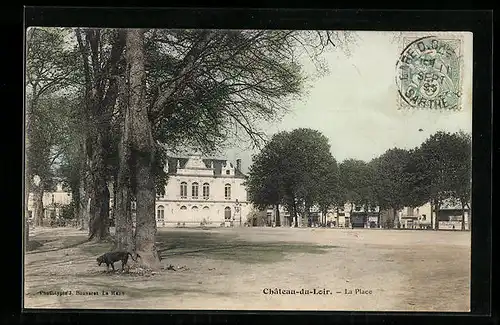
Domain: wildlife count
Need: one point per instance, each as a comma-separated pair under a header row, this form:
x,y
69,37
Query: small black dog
x,y
111,257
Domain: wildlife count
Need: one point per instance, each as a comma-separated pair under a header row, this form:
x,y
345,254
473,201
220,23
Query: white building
x,y
450,216
336,217
52,202
203,192
198,192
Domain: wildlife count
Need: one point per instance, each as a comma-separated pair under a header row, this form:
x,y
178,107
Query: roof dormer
x,y
227,169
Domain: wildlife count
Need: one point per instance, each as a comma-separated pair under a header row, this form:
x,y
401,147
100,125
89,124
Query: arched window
x,y
227,213
206,213
183,207
195,208
206,191
227,191
184,190
160,213
194,190
228,172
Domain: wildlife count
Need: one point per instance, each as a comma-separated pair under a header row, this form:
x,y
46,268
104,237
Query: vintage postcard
x,y
247,169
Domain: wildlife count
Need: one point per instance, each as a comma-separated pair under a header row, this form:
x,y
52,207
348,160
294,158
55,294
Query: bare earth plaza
x,y
247,170
240,268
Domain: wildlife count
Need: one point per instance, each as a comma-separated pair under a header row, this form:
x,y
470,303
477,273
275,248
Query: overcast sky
x,y
356,105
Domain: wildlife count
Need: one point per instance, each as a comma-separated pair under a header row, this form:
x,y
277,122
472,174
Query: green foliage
x,y
68,211
295,169
49,66
392,179
462,180
443,166
357,180
235,80
160,176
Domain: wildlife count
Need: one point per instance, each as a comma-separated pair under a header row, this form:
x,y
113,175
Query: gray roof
x,y
218,163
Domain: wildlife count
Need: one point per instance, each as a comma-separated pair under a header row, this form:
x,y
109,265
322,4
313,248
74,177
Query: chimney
x,y
238,164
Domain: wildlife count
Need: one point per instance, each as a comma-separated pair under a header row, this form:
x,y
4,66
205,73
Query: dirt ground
x,y
237,268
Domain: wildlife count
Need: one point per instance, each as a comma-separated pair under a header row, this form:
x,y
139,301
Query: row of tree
x,y
103,104
296,169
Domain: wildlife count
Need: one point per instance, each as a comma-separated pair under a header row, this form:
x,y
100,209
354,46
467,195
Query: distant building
x,y
202,191
52,202
199,192
449,216
341,217
419,217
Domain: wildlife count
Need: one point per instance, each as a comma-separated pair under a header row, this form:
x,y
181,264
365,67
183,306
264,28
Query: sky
x,y
356,104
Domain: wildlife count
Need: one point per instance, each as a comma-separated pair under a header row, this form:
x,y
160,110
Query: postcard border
x,y
478,22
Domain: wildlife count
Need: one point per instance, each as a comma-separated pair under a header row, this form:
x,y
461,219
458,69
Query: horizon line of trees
x,y
297,170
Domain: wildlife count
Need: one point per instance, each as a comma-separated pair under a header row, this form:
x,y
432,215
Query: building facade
x,y
449,216
344,216
53,203
209,192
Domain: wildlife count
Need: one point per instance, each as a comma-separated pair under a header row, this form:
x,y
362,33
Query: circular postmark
x,y
428,74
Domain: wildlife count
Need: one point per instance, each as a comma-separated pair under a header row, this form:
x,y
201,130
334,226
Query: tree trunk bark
x,y
113,210
75,197
463,216
142,152
83,213
99,196
123,197
99,102
27,189
295,215
38,205
278,220
436,209
432,214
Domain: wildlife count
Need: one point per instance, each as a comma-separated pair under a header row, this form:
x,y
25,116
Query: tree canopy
x,y
296,169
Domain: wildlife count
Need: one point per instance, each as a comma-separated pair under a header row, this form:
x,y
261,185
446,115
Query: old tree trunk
x,y
98,194
38,204
278,219
83,200
100,98
142,151
123,197
437,206
463,214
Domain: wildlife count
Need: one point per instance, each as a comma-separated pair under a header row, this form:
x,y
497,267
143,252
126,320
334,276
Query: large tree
x,y
264,184
49,72
462,176
292,169
331,194
101,64
139,135
195,87
443,161
356,177
203,87
392,180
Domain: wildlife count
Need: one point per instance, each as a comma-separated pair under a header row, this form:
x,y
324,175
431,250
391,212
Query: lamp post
x,y
237,209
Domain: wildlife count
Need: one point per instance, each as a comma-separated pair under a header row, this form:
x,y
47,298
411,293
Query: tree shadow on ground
x,y
228,247
65,243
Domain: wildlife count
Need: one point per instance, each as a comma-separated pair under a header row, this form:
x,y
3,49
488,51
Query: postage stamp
x,y
189,170
429,73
